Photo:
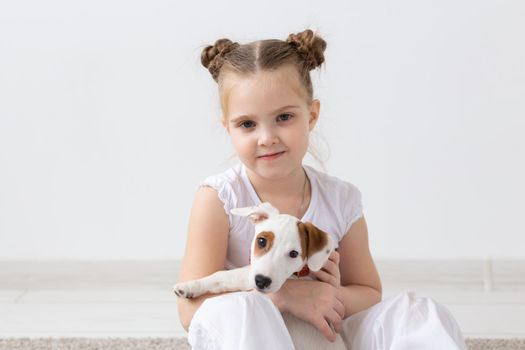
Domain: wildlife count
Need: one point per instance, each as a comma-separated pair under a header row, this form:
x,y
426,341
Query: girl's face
x,y
269,121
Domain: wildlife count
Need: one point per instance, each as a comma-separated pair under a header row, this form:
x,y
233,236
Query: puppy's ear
x,y
257,213
316,245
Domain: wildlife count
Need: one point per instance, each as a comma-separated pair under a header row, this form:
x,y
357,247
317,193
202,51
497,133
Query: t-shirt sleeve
x,y
224,190
353,205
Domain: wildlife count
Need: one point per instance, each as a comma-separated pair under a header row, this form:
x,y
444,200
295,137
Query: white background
x,y
108,121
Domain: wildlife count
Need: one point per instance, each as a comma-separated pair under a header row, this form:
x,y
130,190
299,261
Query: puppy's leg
x,y
218,282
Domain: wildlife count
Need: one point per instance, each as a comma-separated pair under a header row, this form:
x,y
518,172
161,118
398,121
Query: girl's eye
x,y
261,242
284,117
247,124
294,254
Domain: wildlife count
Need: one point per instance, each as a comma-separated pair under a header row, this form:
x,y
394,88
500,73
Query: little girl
x,y
269,111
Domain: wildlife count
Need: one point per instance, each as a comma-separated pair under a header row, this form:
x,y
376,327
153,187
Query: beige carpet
x,y
181,344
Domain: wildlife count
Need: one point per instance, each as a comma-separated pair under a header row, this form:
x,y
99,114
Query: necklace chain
x,y
301,207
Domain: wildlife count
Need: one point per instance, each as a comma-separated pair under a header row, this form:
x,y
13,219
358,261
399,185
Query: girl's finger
x,y
326,277
330,266
327,331
334,257
340,308
335,320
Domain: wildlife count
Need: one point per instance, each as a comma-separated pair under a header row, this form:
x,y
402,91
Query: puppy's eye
x,y
294,254
261,242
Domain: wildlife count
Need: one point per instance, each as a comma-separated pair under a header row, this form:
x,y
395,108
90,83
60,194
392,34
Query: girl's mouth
x,y
272,156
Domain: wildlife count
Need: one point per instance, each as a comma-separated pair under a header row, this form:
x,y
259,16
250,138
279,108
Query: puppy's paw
x,y
187,290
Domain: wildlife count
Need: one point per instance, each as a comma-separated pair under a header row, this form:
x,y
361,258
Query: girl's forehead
x,y
264,90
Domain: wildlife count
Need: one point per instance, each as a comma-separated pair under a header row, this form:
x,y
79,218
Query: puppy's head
x,y
281,246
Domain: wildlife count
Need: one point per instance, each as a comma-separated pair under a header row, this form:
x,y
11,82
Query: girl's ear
x,y
314,114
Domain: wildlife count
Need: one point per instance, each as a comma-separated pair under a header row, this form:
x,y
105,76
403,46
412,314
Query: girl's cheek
x,y
242,142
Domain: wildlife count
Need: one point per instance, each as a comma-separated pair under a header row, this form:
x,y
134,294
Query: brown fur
x,y
312,239
269,242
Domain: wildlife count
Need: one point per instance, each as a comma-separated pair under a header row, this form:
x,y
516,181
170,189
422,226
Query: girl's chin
x,y
272,171
276,173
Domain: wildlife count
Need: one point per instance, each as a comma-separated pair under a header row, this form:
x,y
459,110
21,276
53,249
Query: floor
x,y
134,299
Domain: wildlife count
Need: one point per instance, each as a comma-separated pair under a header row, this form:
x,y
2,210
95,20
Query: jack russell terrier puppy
x,y
283,247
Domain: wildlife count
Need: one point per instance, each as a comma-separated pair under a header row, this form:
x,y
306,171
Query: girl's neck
x,y
286,186
287,194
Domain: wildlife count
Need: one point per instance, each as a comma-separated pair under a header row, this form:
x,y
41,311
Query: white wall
x,y
108,121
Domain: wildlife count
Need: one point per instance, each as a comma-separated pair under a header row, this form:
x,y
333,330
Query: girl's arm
x,y
360,284
206,247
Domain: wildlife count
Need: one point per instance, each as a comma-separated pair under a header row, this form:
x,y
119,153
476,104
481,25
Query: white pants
x,y
249,320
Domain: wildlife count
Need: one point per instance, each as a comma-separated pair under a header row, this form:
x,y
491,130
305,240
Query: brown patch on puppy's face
x,y
263,243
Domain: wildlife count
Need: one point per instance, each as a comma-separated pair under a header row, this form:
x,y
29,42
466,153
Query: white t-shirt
x,y
334,206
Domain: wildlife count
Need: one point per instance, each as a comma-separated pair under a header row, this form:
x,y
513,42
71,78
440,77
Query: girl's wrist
x,y
278,300
281,298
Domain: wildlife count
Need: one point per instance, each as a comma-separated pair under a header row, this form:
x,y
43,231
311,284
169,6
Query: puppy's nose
x,y
262,281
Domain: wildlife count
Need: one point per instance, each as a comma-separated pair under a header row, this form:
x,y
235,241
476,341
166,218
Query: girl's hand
x,y
315,302
330,272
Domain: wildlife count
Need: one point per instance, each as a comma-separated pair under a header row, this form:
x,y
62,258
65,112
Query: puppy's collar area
x,y
305,271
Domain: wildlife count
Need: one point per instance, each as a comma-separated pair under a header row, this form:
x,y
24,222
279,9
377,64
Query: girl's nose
x,y
268,137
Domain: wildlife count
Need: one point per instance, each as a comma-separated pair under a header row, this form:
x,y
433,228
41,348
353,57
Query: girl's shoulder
x,y
230,176
332,184
338,199
229,186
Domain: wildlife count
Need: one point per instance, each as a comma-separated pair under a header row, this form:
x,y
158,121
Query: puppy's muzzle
x,y
262,282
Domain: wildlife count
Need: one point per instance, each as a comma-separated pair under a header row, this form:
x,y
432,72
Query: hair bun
x,y
309,46
212,57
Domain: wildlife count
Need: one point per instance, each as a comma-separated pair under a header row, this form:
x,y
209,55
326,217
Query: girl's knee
x,y
212,321
402,319
228,301
238,299
235,318
233,306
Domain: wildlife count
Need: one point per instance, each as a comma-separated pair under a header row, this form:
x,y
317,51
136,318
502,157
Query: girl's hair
x,y
304,50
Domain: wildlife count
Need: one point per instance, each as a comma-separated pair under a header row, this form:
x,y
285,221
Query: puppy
x,y
283,247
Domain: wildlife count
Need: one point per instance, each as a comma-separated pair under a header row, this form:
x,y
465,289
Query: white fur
x,y
275,264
